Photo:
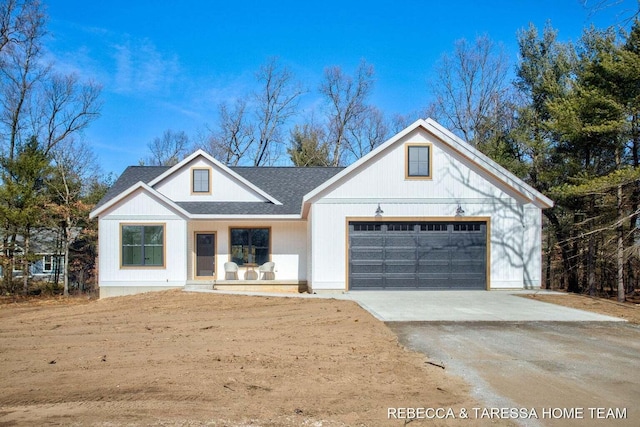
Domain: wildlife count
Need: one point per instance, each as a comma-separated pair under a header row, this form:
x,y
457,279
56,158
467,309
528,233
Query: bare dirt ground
x,y
628,310
177,358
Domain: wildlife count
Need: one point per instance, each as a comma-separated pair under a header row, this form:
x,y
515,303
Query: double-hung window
x,y
142,245
249,245
48,263
201,181
418,161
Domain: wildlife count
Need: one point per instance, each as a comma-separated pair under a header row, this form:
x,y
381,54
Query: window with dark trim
x,y
201,181
249,245
142,245
419,161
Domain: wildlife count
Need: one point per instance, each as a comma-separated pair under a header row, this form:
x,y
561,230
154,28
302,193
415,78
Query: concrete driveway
x,y
460,306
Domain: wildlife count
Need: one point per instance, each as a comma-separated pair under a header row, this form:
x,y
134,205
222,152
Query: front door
x,y
205,255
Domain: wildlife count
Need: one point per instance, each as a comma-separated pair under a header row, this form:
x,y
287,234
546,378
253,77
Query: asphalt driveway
x,y
571,367
580,373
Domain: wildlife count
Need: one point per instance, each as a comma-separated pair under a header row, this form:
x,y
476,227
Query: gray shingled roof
x,y
130,176
287,184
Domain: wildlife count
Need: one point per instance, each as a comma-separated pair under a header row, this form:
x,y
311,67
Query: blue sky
x,y
169,64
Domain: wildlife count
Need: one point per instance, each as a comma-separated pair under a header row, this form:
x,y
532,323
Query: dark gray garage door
x,y
417,255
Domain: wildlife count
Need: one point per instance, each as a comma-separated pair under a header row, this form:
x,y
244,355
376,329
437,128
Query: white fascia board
x,y
219,165
139,185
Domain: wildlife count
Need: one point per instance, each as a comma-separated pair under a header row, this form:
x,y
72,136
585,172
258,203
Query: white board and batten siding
x,y
512,220
288,246
141,208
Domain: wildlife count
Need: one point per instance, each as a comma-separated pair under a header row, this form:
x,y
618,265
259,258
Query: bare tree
x,y
368,131
624,15
74,166
346,97
12,14
21,70
235,135
276,102
67,107
469,86
253,133
167,150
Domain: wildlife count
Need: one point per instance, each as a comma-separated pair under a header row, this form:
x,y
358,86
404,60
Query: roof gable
x,y
139,187
241,189
474,158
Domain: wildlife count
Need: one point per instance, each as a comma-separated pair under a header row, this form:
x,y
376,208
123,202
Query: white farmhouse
x,y
425,210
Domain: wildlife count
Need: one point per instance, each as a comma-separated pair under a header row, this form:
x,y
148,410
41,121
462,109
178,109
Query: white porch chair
x,y
230,271
265,271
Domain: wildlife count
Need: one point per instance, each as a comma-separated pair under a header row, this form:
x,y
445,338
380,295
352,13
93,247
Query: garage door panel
x,y
399,240
367,267
419,255
400,254
368,240
364,282
433,282
399,268
400,282
433,267
367,253
469,255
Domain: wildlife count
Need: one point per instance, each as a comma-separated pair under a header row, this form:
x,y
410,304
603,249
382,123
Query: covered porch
x,y
247,255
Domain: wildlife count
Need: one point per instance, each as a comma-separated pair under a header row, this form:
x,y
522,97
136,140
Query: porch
x,y
294,286
231,255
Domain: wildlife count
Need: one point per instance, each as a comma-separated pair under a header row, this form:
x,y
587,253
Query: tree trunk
x,y
620,262
569,272
6,265
25,263
67,244
620,232
547,282
591,270
591,255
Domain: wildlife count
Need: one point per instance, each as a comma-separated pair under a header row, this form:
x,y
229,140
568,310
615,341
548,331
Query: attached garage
x,y
436,255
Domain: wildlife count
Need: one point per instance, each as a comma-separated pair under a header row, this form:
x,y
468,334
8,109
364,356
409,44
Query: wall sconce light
x,y
379,211
459,211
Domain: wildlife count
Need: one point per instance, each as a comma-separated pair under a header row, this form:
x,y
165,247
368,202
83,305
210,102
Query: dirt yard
x,y
177,358
628,310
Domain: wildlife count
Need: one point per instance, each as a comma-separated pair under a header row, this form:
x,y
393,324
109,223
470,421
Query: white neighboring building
x,y
424,210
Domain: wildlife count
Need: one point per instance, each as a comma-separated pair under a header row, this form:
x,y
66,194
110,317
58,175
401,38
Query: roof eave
x,y
246,217
139,185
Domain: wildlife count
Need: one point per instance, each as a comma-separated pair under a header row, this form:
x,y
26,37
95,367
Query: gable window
x,y
418,161
142,245
249,245
201,179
